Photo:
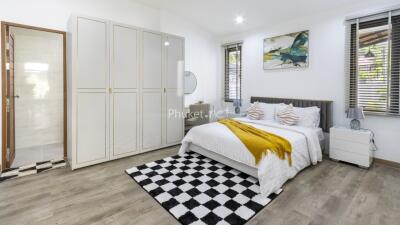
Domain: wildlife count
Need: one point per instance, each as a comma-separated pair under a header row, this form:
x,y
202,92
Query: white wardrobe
x,y
125,85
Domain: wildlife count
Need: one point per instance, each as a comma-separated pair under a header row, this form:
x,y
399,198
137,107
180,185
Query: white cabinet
x,y
92,127
152,90
125,57
92,53
174,122
123,82
161,93
152,60
175,54
125,124
353,146
124,91
89,143
152,120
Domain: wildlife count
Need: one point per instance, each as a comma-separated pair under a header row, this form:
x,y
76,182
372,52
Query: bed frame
x,y
325,124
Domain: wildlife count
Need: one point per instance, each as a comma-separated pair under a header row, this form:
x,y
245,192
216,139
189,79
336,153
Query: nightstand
x,y
353,146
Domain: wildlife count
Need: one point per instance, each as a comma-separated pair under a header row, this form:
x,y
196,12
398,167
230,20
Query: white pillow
x,y
268,109
286,115
308,117
254,112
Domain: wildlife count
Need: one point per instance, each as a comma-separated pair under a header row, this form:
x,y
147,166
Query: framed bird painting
x,y
286,51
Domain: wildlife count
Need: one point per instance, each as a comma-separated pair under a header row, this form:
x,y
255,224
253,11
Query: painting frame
x,y
288,51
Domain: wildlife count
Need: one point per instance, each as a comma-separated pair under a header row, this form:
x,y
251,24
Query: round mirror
x,y
190,82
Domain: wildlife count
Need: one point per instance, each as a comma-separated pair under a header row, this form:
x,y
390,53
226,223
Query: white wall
x,y
54,14
323,80
202,55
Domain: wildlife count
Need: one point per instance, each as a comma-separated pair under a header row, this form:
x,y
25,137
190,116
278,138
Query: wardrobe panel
x,y
91,127
152,119
174,118
92,53
125,123
175,53
152,60
125,57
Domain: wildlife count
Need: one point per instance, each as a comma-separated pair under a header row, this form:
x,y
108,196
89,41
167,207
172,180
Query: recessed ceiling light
x,y
166,43
239,19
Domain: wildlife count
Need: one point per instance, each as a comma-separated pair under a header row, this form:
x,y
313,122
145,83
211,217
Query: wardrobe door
x,y
175,54
92,53
152,120
91,128
152,91
152,60
124,82
92,98
125,57
174,120
125,124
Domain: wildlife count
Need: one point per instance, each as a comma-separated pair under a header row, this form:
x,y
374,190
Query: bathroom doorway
x,y
33,96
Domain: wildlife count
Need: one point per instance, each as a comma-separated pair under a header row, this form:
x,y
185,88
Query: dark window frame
x,y
227,72
393,68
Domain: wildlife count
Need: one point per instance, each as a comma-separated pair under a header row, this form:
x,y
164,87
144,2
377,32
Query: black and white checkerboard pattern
x,y
31,169
198,190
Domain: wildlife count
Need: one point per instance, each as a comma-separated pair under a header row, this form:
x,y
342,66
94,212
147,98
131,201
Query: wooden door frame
x,y
4,25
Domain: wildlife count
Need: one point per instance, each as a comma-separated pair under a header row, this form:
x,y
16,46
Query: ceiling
x,y
218,16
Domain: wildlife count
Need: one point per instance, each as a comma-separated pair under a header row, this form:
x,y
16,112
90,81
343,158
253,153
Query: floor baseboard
x,y
387,162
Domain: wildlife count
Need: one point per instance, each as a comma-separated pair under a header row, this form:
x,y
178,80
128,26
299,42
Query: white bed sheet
x,y
272,171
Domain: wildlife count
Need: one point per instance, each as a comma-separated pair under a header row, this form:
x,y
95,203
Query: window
x,y
374,65
233,72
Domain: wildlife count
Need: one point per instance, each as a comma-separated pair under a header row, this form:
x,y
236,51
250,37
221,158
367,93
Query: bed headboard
x,y
325,106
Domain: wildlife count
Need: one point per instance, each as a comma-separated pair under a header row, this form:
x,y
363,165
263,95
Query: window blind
x,y
233,72
374,63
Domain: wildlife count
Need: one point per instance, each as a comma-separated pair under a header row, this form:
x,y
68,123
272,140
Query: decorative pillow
x,y
268,109
279,107
287,116
308,117
254,112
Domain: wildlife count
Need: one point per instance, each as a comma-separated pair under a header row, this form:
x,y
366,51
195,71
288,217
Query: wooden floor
x,y
329,193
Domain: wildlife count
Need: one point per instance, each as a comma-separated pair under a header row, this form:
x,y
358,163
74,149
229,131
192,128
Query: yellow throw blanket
x,y
259,142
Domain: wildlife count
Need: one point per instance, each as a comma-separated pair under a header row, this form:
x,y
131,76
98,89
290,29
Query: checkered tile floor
x,y
31,169
198,190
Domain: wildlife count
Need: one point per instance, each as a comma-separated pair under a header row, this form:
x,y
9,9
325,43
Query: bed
x,y
217,142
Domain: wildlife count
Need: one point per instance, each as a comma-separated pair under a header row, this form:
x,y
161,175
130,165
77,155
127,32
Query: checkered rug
x,y
198,190
31,169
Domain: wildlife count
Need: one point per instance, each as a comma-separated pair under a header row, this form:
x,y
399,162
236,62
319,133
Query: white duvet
x,y
272,171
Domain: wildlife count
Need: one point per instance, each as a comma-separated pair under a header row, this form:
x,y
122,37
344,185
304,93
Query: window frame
x,y
235,47
393,75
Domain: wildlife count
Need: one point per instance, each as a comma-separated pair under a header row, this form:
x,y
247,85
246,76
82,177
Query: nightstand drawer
x,y
362,160
354,147
358,136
